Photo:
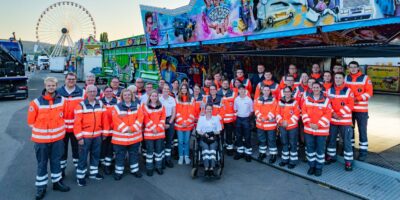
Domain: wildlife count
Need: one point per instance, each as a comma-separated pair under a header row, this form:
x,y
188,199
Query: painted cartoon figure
x,y
245,15
184,26
151,28
204,17
219,16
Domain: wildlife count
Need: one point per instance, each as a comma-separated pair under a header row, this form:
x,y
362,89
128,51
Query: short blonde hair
x,y
50,79
124,91
132,88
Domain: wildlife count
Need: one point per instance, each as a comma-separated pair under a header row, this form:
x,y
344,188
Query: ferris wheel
x,y
61,24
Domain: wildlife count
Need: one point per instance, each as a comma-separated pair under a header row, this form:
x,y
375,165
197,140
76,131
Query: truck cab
x,y
43,62
350,10
13,82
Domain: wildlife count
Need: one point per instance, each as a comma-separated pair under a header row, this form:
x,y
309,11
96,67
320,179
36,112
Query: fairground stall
x,y
86,58
213,35
128,58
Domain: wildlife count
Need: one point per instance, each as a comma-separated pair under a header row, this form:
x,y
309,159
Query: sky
x,y
119,18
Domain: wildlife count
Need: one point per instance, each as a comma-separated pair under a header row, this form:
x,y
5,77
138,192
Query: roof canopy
x,y
277,27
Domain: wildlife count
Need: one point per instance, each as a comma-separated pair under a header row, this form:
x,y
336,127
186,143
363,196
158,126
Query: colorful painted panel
x,y
205,20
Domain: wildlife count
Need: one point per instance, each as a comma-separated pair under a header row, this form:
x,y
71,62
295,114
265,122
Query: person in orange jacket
x,y
216,101
236,84
206,87
317,112
361,85
265,112
290,82
106,155
342,100
292,72
229,118
154,132
217,80
303,86
327,81
127,119
46,118
199,99
184,122
268,81
73,95
287,117
246,82
90,122
91,80
316,73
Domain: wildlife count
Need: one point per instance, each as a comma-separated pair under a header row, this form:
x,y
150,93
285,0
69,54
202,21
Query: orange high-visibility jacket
x,y
319,112
295,94
288,111
127,123
326,87
265,108
99,93
246,82
342,100
184,114
362,88
90,121
228,101
154,119
271,84
197,105
282,84
46,118
71,101
109,108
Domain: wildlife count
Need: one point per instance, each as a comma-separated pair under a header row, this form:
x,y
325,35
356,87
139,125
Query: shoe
x,y
117,177
40,193
318,172
169,164
187,160
180,161
137,174
149,172
229,152
272,159
238,156
159,171
348,166
261,156
291,166
311,171
107,170
63,173
282,164
329,160
60,187
248,158
212,173
81,182
97,177
362,157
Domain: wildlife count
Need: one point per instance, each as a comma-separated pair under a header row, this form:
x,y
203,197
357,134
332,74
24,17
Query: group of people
x,y
115,123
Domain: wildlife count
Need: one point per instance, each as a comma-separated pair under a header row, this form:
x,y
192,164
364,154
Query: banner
x,y
385,78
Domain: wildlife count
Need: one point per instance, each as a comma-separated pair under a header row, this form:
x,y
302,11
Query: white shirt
x,y
208,125
143,98
243,106
68,90
169,104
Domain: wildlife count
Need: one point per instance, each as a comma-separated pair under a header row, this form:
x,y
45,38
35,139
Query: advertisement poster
x,y
203,20
384,78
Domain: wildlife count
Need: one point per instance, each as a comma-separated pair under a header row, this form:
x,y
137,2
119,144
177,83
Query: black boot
x,y
318,172
311,171
137,174
248,158
261,156
60,187
117,177
40,193
272,159
159,171
149,172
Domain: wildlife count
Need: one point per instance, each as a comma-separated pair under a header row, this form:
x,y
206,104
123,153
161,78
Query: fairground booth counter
x,y
221,35
129,58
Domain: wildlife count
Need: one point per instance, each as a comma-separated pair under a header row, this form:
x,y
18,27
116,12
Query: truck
x,y
57,64
43,62
13,81
350,10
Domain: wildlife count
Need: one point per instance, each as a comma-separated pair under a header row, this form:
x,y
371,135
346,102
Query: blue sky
x,y
120,18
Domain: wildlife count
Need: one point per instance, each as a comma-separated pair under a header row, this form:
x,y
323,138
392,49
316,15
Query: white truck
x,y
43,62
350,10
57,64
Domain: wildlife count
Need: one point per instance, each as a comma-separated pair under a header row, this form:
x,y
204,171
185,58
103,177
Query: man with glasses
x,y
361,85
145,96
140,87
289,81
114,84
245,82
337,69
91,80
73,95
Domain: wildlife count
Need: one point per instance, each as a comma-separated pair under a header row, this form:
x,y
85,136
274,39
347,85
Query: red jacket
x,y
282,84
127,124
154,119
71,101
90,121
228,101
362,88
265,109
274,88
184,114
109,109
288,111
46,118
319,112
342,100
246,82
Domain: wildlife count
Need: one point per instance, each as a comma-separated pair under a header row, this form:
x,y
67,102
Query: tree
x,y
104,37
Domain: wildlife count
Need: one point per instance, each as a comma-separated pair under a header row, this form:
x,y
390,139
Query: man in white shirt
x,y
144,97
243,107
170,107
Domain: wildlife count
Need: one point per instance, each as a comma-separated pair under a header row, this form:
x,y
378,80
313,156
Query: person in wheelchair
x,y
208,128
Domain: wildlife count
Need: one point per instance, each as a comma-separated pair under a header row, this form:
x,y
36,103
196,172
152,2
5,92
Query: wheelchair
x,y
197,158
